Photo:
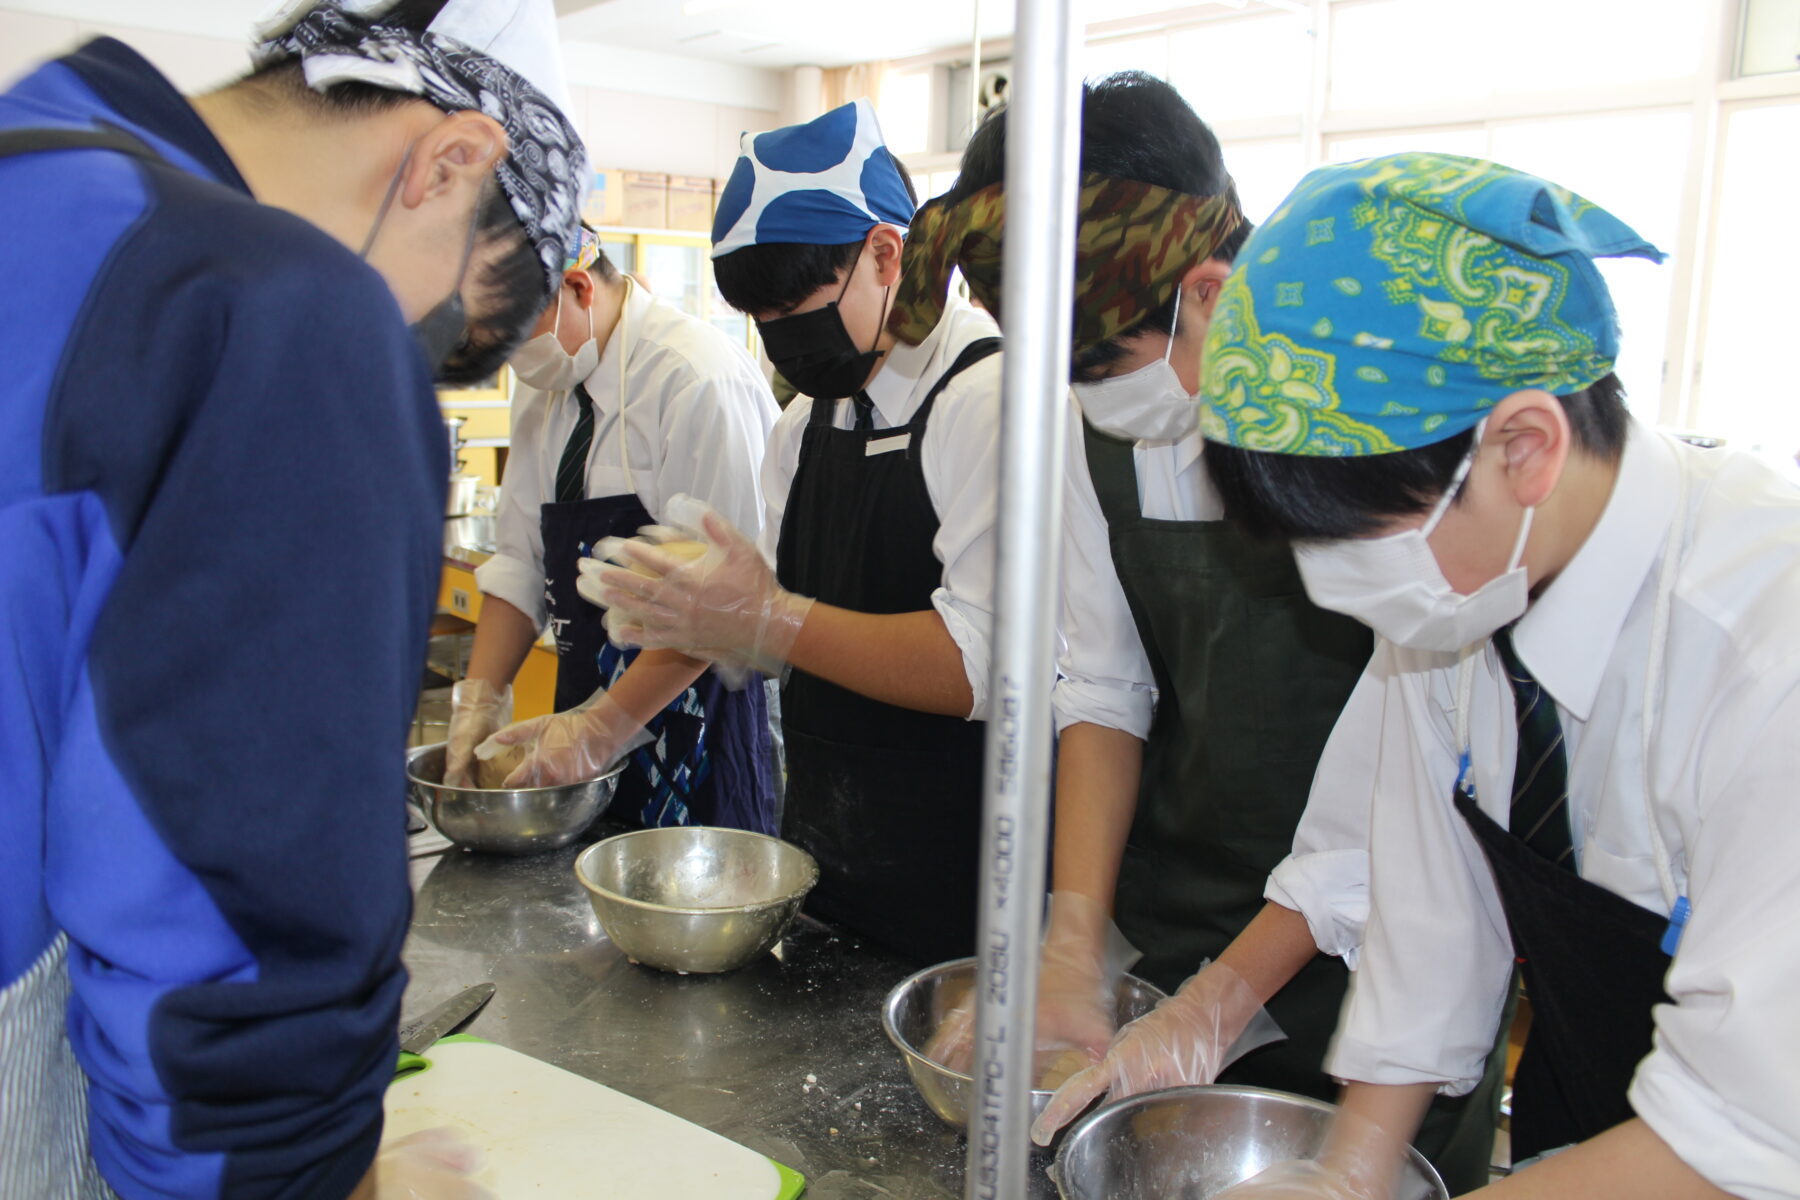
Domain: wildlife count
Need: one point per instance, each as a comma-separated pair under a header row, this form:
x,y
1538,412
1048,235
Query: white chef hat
x,y
499,57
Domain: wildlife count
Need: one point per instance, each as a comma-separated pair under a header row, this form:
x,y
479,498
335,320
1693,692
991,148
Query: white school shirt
x,y
697,421
1722,1084
1104,674
961,464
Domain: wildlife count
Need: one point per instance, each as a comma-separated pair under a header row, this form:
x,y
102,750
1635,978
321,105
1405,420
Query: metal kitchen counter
x,y
785,1056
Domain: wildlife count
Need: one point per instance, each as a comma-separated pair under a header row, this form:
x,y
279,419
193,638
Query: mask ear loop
x,y
387,201
1456,482
1174,326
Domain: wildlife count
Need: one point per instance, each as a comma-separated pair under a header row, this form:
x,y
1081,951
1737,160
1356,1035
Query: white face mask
x,y
1148,404
542,363
1394,585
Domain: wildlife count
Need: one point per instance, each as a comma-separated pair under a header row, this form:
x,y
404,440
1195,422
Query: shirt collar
x,y
149,105
1566,638
896,389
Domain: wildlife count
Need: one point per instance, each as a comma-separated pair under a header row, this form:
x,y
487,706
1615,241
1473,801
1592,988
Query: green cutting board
x,y
549,1133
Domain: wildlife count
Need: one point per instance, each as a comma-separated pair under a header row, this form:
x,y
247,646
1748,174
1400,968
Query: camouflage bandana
x,y
1133,244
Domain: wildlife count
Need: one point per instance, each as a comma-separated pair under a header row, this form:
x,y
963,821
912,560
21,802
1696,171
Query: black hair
x,y
778,276
1304,497
506,288
1133,126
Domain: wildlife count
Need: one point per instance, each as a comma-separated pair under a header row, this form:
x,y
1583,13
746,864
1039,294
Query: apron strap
x,y
971,354
1113,468
15,142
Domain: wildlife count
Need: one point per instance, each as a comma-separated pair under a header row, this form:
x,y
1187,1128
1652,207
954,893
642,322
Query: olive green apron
x,y
1251,677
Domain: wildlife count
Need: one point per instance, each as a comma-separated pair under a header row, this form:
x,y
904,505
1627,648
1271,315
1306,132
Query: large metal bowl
x,y
695,899
918,1005
505,820
1192,1143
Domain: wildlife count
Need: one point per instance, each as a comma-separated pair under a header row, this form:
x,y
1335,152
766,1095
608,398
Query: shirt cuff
x,y
1737,1151
968,628
519,584
1354,1061
1330,888
1127,707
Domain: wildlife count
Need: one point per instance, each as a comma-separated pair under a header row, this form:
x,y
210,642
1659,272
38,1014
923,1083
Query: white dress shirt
x,y
1722,1084
961,463
694,417
1104,675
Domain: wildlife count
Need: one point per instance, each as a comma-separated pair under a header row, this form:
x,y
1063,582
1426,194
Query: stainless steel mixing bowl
x,y
920,1002
1192,1143
695,899
505,820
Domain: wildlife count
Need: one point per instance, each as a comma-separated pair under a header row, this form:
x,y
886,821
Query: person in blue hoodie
x,y
221,320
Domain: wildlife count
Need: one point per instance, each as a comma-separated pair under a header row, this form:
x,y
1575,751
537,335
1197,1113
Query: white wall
x,y
638,111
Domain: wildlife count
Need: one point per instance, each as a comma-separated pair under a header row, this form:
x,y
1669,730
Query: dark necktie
x,y
1540,800
571,471
865,412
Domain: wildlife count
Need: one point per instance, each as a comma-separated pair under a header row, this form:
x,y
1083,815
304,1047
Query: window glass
x,y
1265,172
1472,142
1770,42
1151,54
1747,388
1410,52
1230,70
904,109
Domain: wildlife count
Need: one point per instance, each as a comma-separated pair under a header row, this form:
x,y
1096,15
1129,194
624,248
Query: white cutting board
x,y
549,1133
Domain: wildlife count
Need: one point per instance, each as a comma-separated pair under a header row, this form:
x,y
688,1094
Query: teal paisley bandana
x,y
1389,303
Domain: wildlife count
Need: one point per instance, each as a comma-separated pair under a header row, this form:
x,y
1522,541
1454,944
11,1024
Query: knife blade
x,y
418,1036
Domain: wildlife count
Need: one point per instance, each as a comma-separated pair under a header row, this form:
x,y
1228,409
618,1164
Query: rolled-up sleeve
x,y
961,460
1104,677
1720,1085
515,573
1326,877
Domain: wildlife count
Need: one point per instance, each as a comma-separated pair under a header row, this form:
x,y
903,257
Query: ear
x,y
1533,431
577,280
453,154
886,243
1203,282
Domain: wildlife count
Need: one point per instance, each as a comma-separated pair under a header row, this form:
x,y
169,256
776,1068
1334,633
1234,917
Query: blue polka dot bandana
x,y
1390,303
825,183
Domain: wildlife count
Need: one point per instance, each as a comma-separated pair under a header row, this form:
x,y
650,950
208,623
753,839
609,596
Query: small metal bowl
x,y
505,820
1195,1142
695,899
920,1002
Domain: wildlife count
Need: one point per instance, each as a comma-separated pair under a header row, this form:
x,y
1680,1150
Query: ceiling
x,y
760,33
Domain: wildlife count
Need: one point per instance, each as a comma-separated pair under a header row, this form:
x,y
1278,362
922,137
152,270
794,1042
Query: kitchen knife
x,y
418,1036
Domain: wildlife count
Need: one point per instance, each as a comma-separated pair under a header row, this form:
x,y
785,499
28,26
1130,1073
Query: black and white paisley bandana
x,y
545,171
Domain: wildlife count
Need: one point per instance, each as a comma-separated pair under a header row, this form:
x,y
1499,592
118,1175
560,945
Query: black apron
x,y
887,799
1251,678
1593,966
709,762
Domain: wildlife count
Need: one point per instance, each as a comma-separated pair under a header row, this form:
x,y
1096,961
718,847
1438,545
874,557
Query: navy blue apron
x,y
709,762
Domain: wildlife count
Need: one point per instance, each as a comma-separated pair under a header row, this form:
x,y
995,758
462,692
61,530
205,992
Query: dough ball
x,y
687,551
491,773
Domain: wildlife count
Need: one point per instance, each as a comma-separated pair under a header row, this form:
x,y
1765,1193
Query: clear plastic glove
x,y
1212,1021
566,747
1078,985
724,606
477,709
1359,1161
432,1164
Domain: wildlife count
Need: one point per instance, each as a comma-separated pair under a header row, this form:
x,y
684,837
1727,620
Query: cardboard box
x,y
691,202
606,203
646,200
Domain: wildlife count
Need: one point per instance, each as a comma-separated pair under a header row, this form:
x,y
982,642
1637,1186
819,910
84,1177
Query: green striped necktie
x,y
571,472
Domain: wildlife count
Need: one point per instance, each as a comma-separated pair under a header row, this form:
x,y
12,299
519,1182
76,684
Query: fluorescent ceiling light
x,y
694,8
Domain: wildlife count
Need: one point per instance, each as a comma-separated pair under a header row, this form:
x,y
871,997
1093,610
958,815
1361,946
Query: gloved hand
x,y
1078,983
1212,1021
578,744
432,1164
477,708
1358,1161
724,606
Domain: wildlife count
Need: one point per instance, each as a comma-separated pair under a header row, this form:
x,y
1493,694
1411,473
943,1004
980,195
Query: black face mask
x,y
814,352
440,331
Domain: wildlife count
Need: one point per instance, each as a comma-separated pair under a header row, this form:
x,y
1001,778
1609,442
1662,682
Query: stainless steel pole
x,y
1042,161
